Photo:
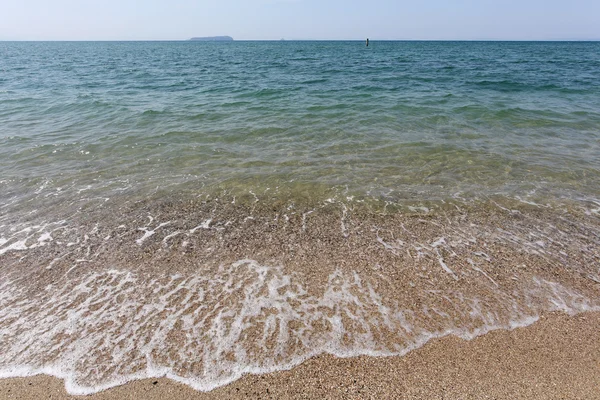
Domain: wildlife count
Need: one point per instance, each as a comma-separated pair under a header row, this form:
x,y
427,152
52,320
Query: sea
x,y
205,210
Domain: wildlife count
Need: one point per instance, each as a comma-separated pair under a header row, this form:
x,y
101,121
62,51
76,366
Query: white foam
x,y
170,236
17,245
255,196
205,330
446,268
42,187
391,247
304,215
203,225
441,241
422,209
148,232
343,221
44,238
87,187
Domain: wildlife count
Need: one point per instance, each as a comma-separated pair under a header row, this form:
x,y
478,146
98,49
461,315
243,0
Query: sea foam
x,y
107,328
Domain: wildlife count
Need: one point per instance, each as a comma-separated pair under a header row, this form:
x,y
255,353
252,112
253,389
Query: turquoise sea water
x,y
410,120
202,211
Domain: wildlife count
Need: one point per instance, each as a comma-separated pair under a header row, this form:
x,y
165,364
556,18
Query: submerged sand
x,y
556,358
204,291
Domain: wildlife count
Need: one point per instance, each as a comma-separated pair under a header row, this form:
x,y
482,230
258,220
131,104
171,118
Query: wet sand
x,y
556,358
208,288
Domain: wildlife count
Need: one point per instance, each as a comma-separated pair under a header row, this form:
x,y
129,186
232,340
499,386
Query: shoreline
x,y
556,357
174,289
197,215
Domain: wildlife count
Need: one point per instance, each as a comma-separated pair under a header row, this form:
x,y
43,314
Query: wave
x,y
161,290
108,328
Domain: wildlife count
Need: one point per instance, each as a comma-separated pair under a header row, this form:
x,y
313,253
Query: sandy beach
x,y
556,358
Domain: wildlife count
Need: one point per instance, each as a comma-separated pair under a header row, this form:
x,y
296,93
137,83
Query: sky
x,y
300,19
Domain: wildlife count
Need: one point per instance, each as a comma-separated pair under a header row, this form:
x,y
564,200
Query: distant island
x,y
213,39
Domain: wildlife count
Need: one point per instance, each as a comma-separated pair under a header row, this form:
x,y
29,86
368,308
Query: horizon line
x,y
306,40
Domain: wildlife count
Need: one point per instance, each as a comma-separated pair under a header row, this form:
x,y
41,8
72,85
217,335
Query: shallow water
x,y
205,210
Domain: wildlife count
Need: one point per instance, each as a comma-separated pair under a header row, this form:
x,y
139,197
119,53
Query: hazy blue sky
x,y
299,19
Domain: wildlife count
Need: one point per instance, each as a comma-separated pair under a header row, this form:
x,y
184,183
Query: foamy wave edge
x,y
72,388
578,305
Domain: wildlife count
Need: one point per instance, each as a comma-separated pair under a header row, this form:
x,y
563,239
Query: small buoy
x,y
367,42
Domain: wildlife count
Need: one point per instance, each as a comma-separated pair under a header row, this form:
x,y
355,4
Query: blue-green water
x,y
410,120
202,211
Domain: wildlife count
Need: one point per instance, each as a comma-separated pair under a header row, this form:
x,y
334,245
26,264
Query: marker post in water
x,y
367,42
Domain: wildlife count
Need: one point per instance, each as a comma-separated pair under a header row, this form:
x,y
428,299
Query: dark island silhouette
x,y
213,39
